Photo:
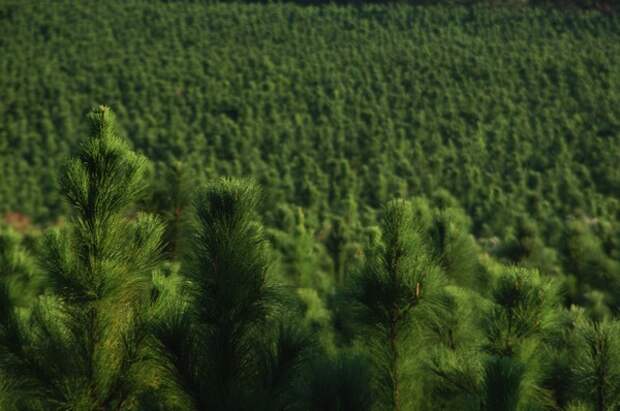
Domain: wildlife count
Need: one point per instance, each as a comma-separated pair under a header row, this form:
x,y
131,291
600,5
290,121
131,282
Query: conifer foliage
x,y
397,279
218,347
597,366
18,269
419,318
85,340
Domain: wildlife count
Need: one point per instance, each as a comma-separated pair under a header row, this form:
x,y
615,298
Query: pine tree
x,y
86,339
398,280
597,363
519,329
509,369
215,348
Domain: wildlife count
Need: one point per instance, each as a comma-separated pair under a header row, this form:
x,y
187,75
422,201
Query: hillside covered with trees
x,y
370,207
423,322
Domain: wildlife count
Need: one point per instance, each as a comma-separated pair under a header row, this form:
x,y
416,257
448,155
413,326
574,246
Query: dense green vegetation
x,y
510,114
424,210
424,321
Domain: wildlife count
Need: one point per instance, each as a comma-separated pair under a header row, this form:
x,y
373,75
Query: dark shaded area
x,y
604,6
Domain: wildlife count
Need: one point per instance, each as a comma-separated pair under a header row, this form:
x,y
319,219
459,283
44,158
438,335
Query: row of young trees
x,y
110,323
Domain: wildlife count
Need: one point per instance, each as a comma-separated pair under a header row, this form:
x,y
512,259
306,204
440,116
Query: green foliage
x,y
18,269
422,318
507,366
490,281
336,384
83,345
519,329
592,265
171,197
379,102
215,348
397,281
597,364
524,308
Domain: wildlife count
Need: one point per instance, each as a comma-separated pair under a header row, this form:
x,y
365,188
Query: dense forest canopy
x,y
510,114
103,320
335,207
